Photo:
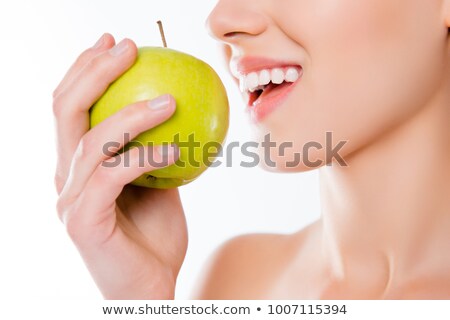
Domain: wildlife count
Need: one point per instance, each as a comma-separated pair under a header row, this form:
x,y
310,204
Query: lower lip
x,y
262,107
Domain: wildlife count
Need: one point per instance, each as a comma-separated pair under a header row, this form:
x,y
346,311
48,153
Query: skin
x,y
376,74
120,230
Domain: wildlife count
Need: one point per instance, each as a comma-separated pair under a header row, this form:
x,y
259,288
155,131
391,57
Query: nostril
x,y
230,34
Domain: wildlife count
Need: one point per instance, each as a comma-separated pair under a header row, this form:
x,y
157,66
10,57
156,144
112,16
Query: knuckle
x,y
102,174
59,182
96,66
73,228
85,147
84,57
55,93
68,216
59,106
61,208
132,111
56,106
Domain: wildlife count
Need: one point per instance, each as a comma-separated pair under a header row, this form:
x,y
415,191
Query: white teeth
x,y
259,80
264,77
277,76
292,75
251,81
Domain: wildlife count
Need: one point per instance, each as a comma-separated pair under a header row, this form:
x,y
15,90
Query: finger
x,y
96,203
105,42
98,72
109,136
71,106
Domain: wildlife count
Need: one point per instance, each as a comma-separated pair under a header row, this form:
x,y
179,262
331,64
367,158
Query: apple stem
x,y
161,31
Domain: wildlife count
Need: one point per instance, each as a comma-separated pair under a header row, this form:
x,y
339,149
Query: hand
x,y
133,240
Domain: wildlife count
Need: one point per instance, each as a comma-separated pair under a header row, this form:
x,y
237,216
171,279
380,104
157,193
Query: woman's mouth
x,y
267,88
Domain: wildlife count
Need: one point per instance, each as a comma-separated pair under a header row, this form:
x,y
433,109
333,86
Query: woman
x,y
373,73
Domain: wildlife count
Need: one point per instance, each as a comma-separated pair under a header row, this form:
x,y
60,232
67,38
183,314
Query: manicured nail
x,y
167,150
119,48
99,42
159,103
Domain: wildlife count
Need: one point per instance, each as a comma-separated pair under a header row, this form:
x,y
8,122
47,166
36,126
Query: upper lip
x,y
245,65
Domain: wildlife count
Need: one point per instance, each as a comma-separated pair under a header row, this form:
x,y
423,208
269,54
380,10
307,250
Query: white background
x,y
39,41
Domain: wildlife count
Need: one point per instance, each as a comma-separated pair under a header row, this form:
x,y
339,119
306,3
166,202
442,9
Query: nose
x,y
233,20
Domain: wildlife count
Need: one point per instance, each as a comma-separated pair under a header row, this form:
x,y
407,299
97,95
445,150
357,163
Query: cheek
x,y
370,66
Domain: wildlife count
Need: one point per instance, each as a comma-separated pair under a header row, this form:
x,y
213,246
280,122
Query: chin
x,y
291,161
282,168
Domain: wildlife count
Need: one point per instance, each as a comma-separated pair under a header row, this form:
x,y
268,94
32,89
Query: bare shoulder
x,y
246,266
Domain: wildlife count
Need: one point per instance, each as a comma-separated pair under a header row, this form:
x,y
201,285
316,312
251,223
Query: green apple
x,y
202,111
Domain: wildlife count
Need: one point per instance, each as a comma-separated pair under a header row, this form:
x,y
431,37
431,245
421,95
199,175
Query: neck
x,y
389,208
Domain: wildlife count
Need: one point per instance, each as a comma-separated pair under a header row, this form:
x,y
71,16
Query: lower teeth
x,y
258,88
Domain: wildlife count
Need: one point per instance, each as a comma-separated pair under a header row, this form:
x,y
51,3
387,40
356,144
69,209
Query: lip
x,y
266,105
262,107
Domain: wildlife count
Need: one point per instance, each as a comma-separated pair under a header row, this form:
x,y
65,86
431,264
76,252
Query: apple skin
x,y
202,109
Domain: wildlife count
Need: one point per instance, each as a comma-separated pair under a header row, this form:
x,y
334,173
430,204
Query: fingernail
x,y
99,42
167,150
159,103
119,48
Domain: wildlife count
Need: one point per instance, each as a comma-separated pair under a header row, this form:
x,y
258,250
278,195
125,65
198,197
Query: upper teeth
x,y
257,80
